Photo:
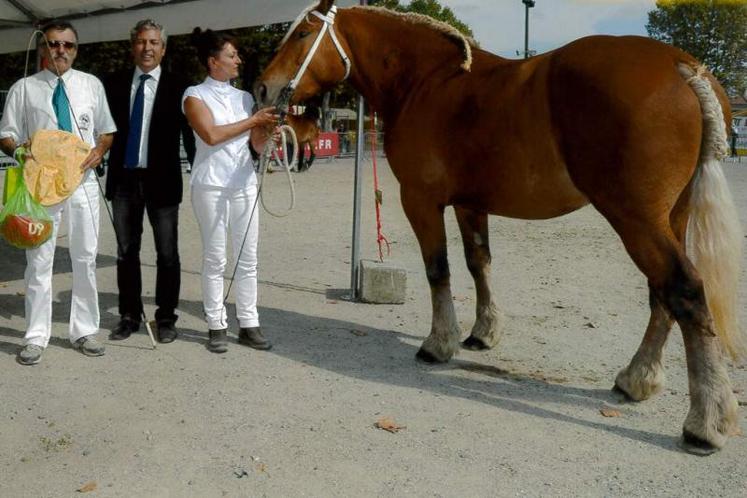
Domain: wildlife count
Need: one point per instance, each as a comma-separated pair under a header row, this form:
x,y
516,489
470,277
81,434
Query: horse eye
x,y
303,34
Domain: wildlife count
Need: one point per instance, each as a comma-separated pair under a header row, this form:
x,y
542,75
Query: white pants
x,y
82,212
218,212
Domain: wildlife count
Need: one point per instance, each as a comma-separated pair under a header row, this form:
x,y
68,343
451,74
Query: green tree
x,y
713,31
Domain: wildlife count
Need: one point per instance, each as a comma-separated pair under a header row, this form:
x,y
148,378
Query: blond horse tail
x,y
714,234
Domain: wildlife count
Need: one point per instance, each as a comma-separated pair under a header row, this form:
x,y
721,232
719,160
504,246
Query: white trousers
x,y
82,213
220,211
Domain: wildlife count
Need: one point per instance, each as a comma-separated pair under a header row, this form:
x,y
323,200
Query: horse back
x,y
536,138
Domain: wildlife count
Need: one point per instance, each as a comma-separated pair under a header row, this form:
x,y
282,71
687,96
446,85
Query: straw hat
x,y
53,173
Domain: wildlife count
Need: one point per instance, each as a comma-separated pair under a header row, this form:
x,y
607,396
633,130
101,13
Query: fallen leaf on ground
x,y
389,425
87,487
610,412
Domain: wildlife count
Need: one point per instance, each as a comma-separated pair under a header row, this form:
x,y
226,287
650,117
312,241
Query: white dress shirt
x,y
28,108
151,85
90,111
227,164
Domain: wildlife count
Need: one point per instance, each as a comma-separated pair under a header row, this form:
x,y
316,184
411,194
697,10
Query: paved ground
x,y
521,420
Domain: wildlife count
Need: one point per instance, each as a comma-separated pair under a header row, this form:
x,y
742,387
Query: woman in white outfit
x,y
224,185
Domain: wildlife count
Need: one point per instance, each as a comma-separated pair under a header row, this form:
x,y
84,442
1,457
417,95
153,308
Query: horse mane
x,y
449,31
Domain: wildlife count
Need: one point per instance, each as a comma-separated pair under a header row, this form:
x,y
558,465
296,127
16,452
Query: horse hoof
x,y
426,357
474,344
696,446
623,394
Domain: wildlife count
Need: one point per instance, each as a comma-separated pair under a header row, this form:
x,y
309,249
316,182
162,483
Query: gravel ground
x,y
521,420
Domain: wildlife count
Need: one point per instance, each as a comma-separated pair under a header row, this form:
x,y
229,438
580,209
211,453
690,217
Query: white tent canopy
x,y
108,20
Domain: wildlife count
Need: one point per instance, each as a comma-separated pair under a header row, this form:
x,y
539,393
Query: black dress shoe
x,y
218,342
252,337
123,330
166,332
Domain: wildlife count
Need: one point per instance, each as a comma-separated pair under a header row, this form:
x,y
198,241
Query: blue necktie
x,y
132,150
61,107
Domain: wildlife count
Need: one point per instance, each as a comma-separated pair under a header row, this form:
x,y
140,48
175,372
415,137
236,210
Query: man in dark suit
x,y
145,175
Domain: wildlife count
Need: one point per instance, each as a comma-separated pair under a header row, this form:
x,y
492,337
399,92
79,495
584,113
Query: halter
x,y
328,22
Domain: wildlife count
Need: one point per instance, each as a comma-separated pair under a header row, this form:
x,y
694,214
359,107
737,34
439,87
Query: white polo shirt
x,y
227,164
90,109
151,85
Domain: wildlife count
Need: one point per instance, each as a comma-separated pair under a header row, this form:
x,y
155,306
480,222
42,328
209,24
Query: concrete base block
x,y
382,283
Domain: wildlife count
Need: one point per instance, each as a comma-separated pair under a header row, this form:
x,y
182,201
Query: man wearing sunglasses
x,y
60,97
145,175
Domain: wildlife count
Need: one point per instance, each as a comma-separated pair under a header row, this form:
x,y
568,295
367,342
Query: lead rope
x,y
269,154
98,182
378,196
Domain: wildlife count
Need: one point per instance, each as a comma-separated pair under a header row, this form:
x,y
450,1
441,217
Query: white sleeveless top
x,y
227,164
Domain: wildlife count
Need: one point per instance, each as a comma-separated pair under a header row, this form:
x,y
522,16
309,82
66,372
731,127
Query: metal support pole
x,y
355,257
527,5
526,30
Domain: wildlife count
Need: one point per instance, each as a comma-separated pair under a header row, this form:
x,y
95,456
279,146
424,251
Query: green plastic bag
x,y
24,223
13,176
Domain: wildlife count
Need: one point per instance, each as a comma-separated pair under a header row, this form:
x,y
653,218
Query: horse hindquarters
x,y
713,240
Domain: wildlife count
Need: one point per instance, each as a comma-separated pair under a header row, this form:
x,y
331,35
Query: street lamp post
x,y
528,4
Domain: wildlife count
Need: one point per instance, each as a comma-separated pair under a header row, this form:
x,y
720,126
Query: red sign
x,y
328,144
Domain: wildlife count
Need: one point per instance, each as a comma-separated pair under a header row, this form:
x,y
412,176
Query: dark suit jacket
x,y
163,176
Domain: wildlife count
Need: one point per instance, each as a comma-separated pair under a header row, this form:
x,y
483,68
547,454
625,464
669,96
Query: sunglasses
x,y
67,45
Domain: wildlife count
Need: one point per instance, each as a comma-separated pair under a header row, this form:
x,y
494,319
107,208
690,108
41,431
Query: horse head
x,y
311,59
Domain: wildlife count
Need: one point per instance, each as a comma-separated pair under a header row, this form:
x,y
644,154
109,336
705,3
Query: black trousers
x,y
129,206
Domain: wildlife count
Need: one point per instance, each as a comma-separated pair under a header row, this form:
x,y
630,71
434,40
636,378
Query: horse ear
x,y
324,6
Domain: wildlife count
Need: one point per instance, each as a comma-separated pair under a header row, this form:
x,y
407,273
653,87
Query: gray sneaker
x,y
30,354
89,346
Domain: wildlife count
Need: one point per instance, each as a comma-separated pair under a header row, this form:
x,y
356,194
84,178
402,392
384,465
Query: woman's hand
x,y
264,118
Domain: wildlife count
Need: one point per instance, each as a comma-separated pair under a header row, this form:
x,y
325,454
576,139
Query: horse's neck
x,y
390,57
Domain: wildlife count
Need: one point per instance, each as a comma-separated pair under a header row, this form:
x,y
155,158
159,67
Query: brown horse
x,y
307,132
628,124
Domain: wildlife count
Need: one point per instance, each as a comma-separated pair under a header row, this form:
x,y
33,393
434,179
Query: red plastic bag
x,y
24,223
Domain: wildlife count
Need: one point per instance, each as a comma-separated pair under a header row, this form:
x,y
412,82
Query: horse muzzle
x,y
268,94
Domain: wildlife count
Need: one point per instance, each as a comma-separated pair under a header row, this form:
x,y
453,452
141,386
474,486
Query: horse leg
x,y
644,376
427,221
301,152
312,155
486,332
679,288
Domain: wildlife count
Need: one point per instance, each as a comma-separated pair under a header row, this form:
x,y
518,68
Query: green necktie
x,y
61,107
